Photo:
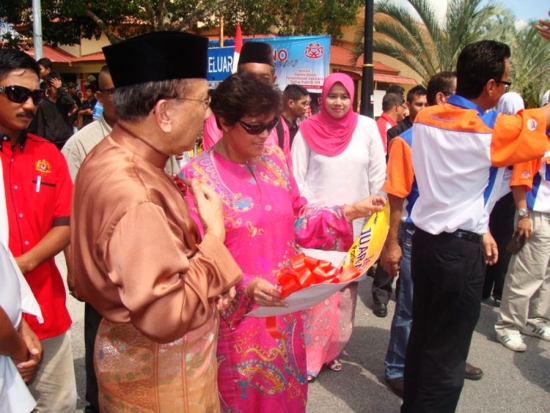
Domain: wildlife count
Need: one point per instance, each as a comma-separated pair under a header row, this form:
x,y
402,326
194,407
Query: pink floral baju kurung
x,y
265,218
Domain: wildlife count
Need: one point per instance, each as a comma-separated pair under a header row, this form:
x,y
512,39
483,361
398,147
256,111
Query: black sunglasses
x,y
258,128
20,94
109,91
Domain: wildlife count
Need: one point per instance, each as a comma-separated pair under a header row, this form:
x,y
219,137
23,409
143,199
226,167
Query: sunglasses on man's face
x,y
20,94
258,128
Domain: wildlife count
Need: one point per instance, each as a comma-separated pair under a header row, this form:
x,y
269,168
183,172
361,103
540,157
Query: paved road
x,y
513,382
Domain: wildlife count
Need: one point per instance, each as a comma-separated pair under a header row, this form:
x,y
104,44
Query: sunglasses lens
x,y
20,94
37,96
260,128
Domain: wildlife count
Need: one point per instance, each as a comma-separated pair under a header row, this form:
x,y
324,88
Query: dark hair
x,y
294,92
440,82
53,75
244,94
137,101
45,63
91,87
12,59
418,90
398,90
390,100
478,63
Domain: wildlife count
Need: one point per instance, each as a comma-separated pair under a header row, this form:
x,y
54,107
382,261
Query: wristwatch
x,y
522,213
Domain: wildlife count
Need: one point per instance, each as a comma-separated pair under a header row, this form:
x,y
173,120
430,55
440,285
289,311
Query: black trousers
x,y
501,224
381,288
447,274
91,324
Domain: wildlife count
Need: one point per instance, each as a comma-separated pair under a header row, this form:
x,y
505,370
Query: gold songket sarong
x,y
136,374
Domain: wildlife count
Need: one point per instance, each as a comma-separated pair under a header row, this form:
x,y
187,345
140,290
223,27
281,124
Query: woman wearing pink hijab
x,y
338,157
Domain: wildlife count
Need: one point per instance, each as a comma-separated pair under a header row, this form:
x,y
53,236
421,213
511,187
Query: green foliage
x,y
418,38
530,63
67,21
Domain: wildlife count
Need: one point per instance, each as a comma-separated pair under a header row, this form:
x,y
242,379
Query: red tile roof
x,y
55,54
93,57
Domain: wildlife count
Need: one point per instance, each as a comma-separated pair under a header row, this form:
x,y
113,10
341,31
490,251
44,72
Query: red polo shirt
x,y
384,122
38,197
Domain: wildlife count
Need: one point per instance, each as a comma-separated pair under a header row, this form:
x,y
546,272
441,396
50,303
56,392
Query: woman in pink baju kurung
x,y
265,218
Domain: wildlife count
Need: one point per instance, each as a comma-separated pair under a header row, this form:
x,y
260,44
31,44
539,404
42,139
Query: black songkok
x,y
157,56
256,52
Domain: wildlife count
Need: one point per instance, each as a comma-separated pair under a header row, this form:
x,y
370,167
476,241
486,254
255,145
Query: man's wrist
x,y
523,213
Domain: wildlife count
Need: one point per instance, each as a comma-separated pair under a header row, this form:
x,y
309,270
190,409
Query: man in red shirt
x,y
38,190
393,108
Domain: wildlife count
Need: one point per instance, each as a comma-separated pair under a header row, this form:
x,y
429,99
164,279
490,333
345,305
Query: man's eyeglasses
x,y
258,128
506,83
20,94
205,102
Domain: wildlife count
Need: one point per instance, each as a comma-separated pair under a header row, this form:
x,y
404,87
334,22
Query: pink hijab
x,y
324,134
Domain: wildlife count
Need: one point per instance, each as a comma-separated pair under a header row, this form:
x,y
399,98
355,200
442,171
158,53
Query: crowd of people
x,y
170,254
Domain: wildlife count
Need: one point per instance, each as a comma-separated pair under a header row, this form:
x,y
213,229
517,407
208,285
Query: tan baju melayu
x,y
140,261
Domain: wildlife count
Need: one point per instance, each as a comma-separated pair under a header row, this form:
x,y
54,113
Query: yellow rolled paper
x,y
367,247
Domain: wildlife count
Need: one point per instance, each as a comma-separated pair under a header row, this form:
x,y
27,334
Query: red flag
x,y
238,47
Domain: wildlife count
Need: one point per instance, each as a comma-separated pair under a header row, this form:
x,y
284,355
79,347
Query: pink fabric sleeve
x,y
211,133
323,228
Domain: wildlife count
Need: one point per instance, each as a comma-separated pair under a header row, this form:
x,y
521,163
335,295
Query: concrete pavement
x,y
513,382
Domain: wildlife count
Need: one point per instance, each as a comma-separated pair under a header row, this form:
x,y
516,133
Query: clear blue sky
x,y
524,10
527,9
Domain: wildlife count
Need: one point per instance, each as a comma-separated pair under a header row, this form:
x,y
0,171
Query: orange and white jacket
x,y
453,150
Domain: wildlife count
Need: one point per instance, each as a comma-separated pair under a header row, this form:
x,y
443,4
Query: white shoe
x,y
512,342
542,333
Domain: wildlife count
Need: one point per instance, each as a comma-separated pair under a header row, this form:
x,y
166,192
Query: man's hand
x,y
27,368
56,83
544,28
524,229
390,258
210,207
224,300
490,249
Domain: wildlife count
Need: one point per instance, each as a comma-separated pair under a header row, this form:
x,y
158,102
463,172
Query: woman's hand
x,y
264,293
365,207
210,207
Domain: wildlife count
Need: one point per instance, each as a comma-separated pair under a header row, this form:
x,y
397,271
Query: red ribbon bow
x,y
303,273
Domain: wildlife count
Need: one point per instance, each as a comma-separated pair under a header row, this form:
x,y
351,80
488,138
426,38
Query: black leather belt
x,y
467,235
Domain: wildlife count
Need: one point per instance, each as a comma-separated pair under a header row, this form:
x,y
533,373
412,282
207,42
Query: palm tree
x,y
425,43
530,64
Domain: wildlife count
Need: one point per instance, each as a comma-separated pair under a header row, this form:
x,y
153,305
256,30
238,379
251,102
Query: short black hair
x,y
418,90
294,92
244,94
13,59
397,89
45,63
478,63
440,82
390,100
